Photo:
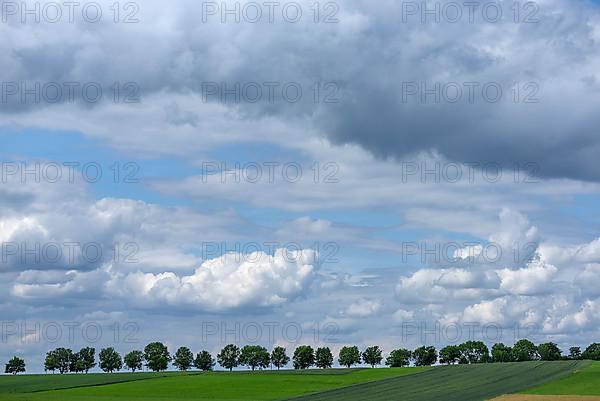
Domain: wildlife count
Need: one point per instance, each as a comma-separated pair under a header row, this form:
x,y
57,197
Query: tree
x,y
50,363
83,360
133,360
372,356
549,352
349,356
398,358
76,363
425,356
157,356
279,357
110,360
15,365
592,352
502,353
229,357
58,359
304,357
450,355
87,359
204,361
575,353
525,350
184,359
323,358
474,352
64,356
255,356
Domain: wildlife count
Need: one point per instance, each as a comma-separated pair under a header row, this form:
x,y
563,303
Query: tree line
x,y
156,357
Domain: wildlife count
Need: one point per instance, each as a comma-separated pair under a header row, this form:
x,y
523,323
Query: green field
x,y
448,383
34,383
456,383
583,382
265,385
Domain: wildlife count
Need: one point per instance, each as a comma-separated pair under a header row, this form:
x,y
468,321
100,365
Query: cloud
x,y
534,279
402,315
586,280
582,253
370,134
363,308
257,280
439,286
584,318
363,57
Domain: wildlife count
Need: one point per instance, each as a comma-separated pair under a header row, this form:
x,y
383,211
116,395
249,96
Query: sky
x,y
330,173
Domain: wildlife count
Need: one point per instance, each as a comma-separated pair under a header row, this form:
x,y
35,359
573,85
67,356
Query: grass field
x,y
583,382
266,385
34,383
456,383
536,397
448,383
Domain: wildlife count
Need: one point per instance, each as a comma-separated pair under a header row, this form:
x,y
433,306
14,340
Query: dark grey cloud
x,y
369,54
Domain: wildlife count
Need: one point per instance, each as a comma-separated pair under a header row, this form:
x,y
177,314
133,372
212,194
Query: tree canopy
x,y
349,356
15,365
229,357
157,356
304,357
255,356
110,360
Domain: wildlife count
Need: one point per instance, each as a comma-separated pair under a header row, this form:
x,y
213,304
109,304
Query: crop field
x,y
456,383
35,383
450,383
264,385
583,382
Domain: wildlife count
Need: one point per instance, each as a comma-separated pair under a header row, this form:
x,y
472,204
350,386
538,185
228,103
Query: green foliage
x,y
474,352
502,353
592,352
133,360
87,359
398,358
304,357
110,360
15,365
204,361
279,357
525,350
424,356
76,363
82,361
255,356
349,356
59,359
372,356
50,362
157,356
229,357
450,355
549,352
575,353
183,359
323,358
